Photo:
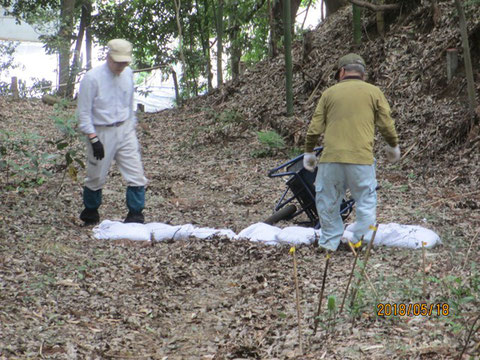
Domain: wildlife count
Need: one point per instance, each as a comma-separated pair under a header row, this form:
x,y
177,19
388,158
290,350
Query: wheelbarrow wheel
x,y
281,214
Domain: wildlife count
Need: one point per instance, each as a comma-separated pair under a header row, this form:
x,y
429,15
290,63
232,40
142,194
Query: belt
x,y
117,124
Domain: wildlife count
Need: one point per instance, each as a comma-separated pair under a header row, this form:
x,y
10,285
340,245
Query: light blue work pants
x,y
332,180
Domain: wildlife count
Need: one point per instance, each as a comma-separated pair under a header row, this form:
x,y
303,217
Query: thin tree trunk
x,y
64,34
88,35
472,102
76,56
175,84
236,49
206,46
219,21
203,29
178,4
381,23
380,16
357,25
288,58
436,14
306,14
272,43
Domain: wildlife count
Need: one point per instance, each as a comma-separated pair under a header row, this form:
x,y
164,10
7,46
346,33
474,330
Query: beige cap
x,y
120,50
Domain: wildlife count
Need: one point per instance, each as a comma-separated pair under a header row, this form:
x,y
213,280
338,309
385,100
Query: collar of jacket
x,y
352,77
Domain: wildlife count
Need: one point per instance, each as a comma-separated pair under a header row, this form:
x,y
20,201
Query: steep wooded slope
x,y
409,65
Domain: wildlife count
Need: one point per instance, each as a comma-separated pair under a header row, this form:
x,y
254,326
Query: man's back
x,y
351,109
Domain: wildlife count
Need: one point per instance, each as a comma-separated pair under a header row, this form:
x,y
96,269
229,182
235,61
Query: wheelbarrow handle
x,y
272,173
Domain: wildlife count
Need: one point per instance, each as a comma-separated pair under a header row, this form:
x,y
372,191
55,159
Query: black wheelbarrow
x,y
299,197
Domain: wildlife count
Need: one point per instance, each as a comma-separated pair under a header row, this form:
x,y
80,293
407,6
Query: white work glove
x,y
393,153
309,161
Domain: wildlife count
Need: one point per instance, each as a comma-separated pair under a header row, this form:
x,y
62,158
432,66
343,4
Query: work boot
x,y
134,217
90,217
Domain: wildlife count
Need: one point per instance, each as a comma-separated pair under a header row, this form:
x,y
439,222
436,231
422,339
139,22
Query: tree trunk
x,y
178,5
76,55
288,58
219,25
88,35
436,14
65,34
472,102
272,41
235,43
380,23
175,84
14,88
277,23
357,25
380,20
205,36
306,14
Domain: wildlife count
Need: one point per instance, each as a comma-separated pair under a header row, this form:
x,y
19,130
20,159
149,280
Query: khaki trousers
x,y
120,144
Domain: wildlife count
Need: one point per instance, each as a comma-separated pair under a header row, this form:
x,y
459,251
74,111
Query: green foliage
x,y
42,15
271,143
218,127
40,87
227,124
149,25
7,60
20,162
67,144
271,139
152,27
23,161
462,297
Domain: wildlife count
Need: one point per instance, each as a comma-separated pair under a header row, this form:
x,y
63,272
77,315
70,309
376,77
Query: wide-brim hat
x,y
120,50
348,59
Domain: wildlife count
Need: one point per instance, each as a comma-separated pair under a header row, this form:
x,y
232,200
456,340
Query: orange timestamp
x,y
413,309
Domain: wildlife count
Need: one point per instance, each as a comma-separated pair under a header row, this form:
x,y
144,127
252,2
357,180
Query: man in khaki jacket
x,y
347,114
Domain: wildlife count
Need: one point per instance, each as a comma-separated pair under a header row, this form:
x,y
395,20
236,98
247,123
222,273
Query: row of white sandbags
x,y
395,235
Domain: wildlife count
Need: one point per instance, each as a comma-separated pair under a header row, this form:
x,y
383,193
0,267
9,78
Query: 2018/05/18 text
x,y
412,309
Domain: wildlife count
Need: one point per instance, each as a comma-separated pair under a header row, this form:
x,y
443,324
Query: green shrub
x,y
271,143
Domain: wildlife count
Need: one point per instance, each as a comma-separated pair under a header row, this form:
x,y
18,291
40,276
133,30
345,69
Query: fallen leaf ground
x,y
66,295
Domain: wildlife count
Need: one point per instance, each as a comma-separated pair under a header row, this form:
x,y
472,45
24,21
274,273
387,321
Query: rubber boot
x,y
92,201
136,204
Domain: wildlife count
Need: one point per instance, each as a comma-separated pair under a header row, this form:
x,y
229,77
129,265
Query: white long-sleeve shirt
x,y
105,98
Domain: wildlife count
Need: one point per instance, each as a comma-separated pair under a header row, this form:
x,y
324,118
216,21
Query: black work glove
x,y
97,146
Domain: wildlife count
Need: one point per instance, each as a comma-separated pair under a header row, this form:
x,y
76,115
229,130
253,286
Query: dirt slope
x,y
65,295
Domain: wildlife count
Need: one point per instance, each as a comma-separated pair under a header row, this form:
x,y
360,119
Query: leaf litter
x,y
65,295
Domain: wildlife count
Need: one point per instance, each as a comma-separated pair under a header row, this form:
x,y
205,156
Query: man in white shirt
x,y
105,115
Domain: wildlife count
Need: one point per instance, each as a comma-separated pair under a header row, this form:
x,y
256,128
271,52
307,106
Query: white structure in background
x,y
35,64
11,31
30,55
161,93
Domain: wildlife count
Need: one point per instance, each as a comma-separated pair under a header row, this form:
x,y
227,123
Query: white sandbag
x,y
184,232
260,232
162,232
205,233
392,235
116,230
404,236
296,235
